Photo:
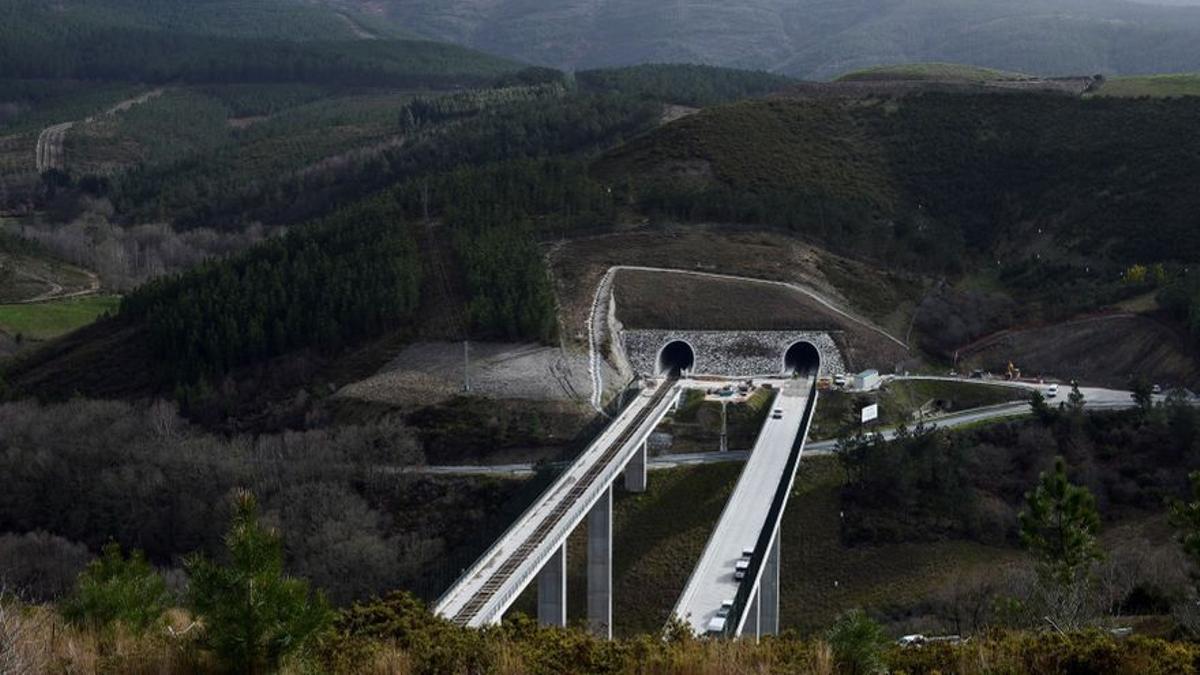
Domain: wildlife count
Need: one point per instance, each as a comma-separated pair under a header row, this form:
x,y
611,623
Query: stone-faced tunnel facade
x,y
729,353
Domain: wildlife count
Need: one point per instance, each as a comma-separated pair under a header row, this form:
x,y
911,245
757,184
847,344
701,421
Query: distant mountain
x,y
814,38
226,41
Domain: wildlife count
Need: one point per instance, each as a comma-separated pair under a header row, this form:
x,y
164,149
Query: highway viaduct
x,y
533,549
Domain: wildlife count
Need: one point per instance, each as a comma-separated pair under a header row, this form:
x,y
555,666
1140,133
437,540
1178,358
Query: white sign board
x,y
870,412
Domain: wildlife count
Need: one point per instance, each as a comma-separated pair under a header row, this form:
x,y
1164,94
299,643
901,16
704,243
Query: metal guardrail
x,y
761,547
592,483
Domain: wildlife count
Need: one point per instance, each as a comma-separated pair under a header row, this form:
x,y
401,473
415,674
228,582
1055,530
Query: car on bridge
x,y
717,623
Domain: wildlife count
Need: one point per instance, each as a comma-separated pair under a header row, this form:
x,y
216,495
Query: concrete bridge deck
x,y
746,516
534,546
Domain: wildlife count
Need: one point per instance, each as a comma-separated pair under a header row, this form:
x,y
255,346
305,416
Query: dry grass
x,y
37,640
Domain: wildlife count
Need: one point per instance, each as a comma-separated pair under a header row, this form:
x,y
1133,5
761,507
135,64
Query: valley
x,y
502,331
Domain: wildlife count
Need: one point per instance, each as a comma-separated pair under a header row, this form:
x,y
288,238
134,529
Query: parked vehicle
x,y
1052,391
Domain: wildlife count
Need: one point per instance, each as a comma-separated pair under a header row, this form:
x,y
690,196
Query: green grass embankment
x,y
47,320
1154,86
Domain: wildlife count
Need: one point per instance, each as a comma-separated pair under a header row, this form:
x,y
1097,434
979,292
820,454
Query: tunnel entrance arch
x,y
674,358
801,358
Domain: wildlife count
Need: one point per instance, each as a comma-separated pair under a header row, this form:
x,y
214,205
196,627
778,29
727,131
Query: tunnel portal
x,y
676,357
801,358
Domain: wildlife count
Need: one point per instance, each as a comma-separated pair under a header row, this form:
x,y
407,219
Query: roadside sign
x,y
870,412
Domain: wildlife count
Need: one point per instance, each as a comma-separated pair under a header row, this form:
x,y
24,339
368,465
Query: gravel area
x,y
428,372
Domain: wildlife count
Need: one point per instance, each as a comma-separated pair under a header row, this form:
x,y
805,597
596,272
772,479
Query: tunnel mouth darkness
x,y
801,358
675,357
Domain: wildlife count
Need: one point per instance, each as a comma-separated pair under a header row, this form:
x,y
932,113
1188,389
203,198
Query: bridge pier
x,y
635,470
599,565
768,590
552,589
751,626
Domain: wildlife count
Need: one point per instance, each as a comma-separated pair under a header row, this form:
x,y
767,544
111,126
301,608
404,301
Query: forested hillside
x,y
1034,187
817,39
222,41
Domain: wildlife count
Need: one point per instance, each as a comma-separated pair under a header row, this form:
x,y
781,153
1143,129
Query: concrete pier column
x,y
599,566
635,470
552,589
769,590
751,626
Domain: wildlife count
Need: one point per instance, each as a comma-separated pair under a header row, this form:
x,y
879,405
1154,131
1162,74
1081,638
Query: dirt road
x,y
58,291
50,147
50,153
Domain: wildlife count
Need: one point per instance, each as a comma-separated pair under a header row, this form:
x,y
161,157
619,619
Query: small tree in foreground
x,y
115,589
858,643
253,615
1059,526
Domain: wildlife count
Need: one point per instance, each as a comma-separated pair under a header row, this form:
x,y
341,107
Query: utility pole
x,y
466,365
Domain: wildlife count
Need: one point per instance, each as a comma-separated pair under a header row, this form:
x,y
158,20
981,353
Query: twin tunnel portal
x,y
734,589
678,357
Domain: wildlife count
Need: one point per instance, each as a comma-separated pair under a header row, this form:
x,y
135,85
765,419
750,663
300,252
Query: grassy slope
x,y
43,321
931,71
1186,84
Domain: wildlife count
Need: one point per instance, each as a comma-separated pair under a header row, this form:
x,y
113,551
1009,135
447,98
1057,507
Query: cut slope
x,y
681,301
1107,351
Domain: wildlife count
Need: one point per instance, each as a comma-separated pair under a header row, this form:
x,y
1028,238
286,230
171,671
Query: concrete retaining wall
x,y
730,353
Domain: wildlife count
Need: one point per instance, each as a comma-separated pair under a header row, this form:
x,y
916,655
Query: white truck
x,y
717,623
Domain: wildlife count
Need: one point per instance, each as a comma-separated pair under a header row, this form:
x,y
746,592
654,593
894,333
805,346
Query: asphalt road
x,y
1095,398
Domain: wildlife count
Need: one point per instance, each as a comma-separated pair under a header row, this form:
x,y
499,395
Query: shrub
x,y
858,643
115,589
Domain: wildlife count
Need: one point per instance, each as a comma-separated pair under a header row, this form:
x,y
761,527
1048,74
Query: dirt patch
x,y
672,112
1105,351
431,372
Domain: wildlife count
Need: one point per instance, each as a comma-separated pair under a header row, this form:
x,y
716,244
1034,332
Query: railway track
x,y
505,571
